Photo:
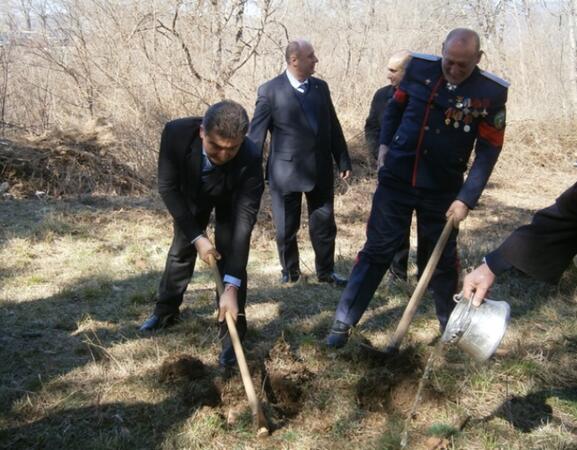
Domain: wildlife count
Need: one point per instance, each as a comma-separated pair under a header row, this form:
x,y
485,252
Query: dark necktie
x,y
214,180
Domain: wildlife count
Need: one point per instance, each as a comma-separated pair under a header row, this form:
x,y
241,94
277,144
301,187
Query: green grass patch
x,y
441,430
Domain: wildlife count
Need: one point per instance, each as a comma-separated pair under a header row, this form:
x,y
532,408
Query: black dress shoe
x,y
290,278
155,322
339,334
335,278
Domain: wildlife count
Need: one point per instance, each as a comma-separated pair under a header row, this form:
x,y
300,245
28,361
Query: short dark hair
x,y
228,119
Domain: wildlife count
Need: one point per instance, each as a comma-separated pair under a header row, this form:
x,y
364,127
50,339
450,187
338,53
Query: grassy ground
x,y
78,276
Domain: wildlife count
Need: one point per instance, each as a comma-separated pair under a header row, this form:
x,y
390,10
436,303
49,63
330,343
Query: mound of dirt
x,y
526,413
181,367
205,392
391,385
284,391
199,388
285,380
68,162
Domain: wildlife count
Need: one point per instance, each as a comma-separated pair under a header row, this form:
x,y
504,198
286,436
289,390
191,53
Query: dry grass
x,y
77,160
77,277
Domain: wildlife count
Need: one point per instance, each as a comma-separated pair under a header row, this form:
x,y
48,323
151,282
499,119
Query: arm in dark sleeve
x,y
490,135
245,208
497,262
338,144
545,247
169,186
393,115
373,123
261,120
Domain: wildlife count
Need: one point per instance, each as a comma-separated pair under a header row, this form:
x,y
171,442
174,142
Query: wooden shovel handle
x,y
415,300
261,422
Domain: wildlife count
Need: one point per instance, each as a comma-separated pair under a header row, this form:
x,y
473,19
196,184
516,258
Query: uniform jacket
x,y
301,150
375,118
179,184
431,130
544,248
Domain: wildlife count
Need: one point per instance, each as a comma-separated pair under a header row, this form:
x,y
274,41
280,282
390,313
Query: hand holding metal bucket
x,y
477,331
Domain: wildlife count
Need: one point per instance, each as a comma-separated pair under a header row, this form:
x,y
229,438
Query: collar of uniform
x,y
474,73
293,81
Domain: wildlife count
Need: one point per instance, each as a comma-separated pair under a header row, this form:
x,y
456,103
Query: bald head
x,y
397,65
464,37
301,59
294,47
461,54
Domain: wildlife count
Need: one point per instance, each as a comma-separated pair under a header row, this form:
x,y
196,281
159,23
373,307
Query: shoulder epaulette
x,y
426,56
495,78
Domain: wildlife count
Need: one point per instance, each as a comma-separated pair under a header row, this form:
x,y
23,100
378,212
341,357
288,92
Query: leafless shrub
x,y
139,64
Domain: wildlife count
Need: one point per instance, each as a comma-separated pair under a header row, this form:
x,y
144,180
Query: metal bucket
x,y
477,331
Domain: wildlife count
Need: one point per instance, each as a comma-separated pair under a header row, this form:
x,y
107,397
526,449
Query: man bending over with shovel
x,y
444,107
208,164
542,249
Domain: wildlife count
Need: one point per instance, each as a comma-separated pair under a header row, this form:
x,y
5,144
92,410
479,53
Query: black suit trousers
x,y
286,209
181,259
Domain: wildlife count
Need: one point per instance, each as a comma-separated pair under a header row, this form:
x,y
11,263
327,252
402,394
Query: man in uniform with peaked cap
x,y
443,109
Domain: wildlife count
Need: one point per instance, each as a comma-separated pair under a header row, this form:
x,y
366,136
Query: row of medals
x,y
465,111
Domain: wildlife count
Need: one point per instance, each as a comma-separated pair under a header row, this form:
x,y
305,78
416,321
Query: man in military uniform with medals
x,y
444,108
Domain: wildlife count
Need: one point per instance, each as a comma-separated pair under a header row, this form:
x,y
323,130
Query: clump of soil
x,y
201,389
526,413
374,391
181,367
204,392
284,391
391,385
285,380
68,162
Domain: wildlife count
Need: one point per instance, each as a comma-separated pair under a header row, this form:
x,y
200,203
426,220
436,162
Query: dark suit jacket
x,y
373,122
300,158
179,184
544,248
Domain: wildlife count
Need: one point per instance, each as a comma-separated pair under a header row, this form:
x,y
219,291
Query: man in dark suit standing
x,y
542,249
395,73
305,137
207,164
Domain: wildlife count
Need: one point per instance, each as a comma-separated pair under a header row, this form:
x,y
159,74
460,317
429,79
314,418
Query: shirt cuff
x,y
496,262
229,279
196,238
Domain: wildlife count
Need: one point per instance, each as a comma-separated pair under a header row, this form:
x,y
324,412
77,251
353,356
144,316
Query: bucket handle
x,y
458,298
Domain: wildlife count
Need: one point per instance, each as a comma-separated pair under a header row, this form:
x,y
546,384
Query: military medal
x,y
451,86
467,121
448,114
459,103
486,103
467,104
